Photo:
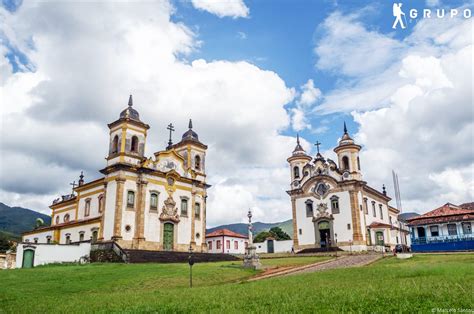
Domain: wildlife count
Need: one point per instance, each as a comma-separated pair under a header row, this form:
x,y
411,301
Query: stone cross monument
x,y
251,259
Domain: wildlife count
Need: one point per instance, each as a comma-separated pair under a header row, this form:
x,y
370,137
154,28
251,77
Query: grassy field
x,y
416,285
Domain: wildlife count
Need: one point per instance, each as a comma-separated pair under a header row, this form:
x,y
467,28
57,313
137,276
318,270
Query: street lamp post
x,y
191,263
335,239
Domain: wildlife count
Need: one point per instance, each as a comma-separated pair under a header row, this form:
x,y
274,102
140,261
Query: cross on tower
x,y
171,128
317,145
74,184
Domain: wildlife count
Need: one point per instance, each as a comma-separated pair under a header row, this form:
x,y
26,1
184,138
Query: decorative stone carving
x,y
169,211
322,212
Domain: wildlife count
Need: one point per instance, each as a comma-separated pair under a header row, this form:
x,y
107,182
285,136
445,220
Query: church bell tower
x,y
127,137
348,157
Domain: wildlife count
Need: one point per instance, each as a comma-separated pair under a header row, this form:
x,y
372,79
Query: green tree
x,y
279,234
274,232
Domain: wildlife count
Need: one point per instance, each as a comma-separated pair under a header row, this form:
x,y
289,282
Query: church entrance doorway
x,y
168,236
28,258
379,238
324,233
270,246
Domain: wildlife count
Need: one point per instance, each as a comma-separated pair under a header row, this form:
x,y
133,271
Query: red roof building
x,y
226,241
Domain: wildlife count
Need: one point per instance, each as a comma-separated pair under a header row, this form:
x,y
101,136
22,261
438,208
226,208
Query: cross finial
x,y
130,101
171,129
190,126
317,145
74,184
345,128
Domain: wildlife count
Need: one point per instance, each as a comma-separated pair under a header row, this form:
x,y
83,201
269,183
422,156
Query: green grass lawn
x,y
415,285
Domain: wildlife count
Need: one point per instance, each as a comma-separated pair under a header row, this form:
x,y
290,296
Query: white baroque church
x,y
333,206
150,203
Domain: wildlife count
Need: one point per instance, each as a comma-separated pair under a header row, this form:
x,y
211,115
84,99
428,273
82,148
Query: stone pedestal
x,y
251,259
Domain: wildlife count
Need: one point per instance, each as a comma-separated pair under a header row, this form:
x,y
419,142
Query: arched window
x,y
66,218
81,236
131,199
345,163
87,207
296,172
57,219
68,238
309,208
101,203
153,201
115,144
197,163
134,146
358,163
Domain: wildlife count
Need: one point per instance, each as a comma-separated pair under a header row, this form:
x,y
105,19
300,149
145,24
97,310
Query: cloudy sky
x,y
251,74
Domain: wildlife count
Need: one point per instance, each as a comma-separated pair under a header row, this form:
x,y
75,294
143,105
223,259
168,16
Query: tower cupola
x,y
348,156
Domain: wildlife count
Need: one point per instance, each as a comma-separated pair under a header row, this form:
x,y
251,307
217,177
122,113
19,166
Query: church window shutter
x,y
381,211
335,205
134,144
373,209
197,211
130,199
141,149
87,207
184,207
153,201
309,208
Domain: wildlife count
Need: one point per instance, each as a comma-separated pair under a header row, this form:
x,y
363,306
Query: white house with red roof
x,y
447,228
226,241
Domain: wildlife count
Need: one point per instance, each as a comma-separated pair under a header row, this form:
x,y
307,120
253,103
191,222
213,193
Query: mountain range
x,y
16,220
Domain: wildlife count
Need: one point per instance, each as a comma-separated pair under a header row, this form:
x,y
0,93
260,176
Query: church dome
x,y
346,139
190,134
129,112
298,148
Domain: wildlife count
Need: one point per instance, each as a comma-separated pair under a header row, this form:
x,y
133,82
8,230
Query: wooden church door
x,y
168,237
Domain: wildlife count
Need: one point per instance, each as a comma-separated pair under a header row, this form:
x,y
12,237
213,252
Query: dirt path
x,y
341,262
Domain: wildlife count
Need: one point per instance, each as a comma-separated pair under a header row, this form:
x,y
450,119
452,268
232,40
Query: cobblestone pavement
x,y
342,262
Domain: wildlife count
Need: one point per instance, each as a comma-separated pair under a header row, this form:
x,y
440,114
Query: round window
x,y
128,228
198,235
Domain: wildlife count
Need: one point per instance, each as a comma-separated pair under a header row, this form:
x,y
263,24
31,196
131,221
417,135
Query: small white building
x,y
226,241
271,245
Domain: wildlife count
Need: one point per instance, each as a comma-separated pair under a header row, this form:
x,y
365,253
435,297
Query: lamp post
x,y
191,263
251,259
335,239
350,246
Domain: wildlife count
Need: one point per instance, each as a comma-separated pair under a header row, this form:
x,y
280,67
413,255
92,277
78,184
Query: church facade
x,y
149,203
333,206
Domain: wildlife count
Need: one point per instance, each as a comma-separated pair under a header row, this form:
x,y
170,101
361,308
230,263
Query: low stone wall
x,y
142,256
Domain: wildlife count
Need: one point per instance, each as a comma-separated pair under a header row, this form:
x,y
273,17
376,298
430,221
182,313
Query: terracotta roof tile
x,y
446,213
379,225
225,232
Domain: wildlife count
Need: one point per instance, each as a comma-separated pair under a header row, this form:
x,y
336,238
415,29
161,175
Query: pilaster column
x,y
140,213
357,235
102,218
203,234
193,217
120,181
295,225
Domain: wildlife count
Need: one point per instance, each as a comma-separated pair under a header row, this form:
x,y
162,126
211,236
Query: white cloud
x,y
309,94
88,61
241,35
223,8
308,97
414,106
